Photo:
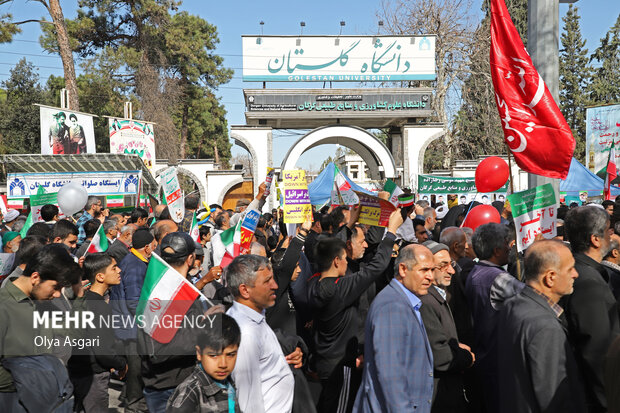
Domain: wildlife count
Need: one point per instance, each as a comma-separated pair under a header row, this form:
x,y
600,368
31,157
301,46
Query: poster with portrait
x,y
133,137
66,132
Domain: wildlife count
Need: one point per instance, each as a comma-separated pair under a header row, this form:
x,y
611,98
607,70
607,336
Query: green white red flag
x,y
394,190
342,193
194,230
99,243
166,295
225,245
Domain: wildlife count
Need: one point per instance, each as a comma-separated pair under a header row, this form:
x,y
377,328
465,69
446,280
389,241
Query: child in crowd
x,y
89,369
210,388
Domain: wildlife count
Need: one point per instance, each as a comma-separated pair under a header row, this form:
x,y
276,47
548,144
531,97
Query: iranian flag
x,y
225,245
115,201
166,295
99,242
611,172
194,231
394,190
342,193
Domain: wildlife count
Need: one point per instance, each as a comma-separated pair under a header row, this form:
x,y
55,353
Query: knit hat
x,y
435,247
141,238
9,236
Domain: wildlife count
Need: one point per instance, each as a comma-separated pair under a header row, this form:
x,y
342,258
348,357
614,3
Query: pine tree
x,y
574,77
605,86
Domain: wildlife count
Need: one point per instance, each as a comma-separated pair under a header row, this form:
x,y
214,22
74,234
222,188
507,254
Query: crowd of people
x,y
422,315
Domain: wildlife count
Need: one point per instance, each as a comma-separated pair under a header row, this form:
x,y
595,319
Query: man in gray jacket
x,y
537,369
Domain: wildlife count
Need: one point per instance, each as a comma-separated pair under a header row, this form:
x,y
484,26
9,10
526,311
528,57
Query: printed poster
x,y
374,210
173,193
66,132
37,202
268,180
248,227
602,128
534,213
133,137
297,207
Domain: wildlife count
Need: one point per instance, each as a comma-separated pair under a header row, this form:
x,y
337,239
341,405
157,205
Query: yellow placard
x,y
297,207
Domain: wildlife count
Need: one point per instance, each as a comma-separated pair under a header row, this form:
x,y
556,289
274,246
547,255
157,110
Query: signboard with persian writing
x,y
315,101
172,191
338,58
297,207
602,128
374,210
534,213
37,202
449,185
133,137
24,185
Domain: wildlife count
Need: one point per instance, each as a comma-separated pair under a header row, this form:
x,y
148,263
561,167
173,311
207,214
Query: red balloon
x,y
491,174
480,215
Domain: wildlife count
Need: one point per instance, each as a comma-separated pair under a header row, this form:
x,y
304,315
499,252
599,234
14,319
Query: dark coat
x,y
592,314
118,250
537,369
449,360
42,383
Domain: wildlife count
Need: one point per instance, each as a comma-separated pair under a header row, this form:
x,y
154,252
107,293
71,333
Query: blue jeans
x,y
156,399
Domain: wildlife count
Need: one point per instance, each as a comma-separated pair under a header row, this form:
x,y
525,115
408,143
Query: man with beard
x,y
59,135
591,310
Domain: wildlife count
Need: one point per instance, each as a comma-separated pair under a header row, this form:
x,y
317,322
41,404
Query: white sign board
x,y
338,58
133,137
24,185
172,191
66,132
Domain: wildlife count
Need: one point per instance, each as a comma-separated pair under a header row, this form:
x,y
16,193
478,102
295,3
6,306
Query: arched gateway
x,y
376,155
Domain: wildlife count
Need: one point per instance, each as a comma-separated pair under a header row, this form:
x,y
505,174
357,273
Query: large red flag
x,y
534,129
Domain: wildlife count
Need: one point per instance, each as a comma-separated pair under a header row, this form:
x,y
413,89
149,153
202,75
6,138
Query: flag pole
x,y
512,191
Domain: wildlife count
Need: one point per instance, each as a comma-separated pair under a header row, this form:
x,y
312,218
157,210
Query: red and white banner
x,y
534,128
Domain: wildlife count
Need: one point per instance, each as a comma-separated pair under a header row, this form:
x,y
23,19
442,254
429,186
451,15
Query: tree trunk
x,y
217,154
184,128
65,53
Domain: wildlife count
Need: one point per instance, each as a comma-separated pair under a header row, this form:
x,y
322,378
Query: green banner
x,y
529,200
44,199
448,185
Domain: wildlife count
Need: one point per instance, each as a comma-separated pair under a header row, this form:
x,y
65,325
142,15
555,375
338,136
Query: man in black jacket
x,y
165,366
591,310
537,368
335,301
450,357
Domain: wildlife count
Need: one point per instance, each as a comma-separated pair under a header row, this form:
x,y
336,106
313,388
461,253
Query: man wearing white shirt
x,y
262,375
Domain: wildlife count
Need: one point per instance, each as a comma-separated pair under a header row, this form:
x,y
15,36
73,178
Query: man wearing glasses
x,y
450,358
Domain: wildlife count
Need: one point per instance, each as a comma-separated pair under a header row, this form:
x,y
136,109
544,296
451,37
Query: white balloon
x,y
72,198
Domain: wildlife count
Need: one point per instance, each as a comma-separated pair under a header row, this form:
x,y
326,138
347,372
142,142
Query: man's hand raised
x,y
395,221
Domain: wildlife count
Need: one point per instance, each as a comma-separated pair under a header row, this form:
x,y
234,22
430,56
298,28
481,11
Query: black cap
x,y
177,245
141,238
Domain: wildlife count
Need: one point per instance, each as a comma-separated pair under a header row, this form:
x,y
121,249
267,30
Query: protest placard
x,y
374,210
37,202
268,180
297,207
534,213
173,194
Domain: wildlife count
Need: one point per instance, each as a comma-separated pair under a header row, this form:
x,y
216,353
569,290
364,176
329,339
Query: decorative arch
x,y
376,155
247,145
228,187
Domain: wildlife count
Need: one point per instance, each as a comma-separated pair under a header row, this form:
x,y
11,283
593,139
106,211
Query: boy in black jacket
x,y
89,368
